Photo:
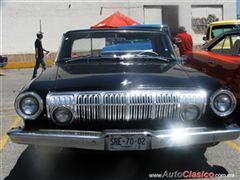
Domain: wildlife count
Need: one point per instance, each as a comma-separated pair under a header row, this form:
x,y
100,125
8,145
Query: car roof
x,y
121,29
146,26
225,22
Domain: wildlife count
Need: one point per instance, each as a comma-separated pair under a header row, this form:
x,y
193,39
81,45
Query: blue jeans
x,y
38,62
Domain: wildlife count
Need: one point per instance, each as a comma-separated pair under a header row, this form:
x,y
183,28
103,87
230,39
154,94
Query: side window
x,y
81,47
87,47
236,45
230,46
223,47
97,45
227,43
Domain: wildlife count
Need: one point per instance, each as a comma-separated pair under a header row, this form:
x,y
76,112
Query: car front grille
x,y
126,105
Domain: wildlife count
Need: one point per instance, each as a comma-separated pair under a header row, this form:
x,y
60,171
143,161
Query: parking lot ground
x,y
20,161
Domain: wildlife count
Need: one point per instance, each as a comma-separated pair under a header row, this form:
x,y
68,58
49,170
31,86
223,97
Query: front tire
x,y
192,151
44,160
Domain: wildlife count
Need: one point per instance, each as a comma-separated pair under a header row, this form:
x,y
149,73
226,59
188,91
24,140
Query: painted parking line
x,y
233,145
5,138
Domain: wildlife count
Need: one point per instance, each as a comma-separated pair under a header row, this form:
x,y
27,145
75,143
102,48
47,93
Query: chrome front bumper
x,y
96,140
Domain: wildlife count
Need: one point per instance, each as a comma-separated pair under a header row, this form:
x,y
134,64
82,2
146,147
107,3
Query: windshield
x,y
217,30
115,44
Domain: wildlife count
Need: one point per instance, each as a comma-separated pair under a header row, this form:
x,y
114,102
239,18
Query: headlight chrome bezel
x,y
232,99
185,107
18,107
59,123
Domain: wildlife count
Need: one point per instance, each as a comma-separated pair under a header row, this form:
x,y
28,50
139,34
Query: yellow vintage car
x,y
218,27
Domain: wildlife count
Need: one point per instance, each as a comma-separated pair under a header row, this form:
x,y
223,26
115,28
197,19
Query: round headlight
x,y
223,103
29,105
62,116
190,113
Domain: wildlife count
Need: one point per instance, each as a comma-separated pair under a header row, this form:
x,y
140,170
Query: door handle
x,y
211,62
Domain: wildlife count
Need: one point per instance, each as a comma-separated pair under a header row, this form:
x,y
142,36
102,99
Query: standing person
x,y
39,54
184,41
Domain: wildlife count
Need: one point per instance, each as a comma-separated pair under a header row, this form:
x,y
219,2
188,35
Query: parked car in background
x,y
136,46
220,58
3,61
123,102
133,47
218,27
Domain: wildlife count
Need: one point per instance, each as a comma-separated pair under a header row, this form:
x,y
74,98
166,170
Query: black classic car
x,y
3,61
124,100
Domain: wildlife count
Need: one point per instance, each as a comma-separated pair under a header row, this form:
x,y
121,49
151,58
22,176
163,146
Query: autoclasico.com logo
x,y
190,174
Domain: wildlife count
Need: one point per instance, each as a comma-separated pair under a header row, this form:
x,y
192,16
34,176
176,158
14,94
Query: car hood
x,y
120,76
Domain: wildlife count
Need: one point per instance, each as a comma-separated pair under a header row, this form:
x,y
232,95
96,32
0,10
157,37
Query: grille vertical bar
x,y
128,107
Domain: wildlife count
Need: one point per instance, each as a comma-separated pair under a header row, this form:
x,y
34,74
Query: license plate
x,y
127,142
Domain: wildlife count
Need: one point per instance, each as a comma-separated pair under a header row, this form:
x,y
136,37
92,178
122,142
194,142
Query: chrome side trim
x,y
96,140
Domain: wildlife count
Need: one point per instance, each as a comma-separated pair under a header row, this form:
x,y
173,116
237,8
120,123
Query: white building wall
x,y
20,19
21,22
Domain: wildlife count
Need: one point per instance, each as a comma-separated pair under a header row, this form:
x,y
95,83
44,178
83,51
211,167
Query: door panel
x,y
198,60
227,70
222,62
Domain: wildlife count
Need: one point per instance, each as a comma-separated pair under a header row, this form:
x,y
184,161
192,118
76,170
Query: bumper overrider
x,y
100,140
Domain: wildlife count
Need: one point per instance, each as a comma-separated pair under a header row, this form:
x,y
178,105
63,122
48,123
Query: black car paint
x,y
109,75
96,77
106,76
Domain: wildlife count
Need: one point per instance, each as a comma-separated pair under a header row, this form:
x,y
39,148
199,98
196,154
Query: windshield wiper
x,y
165,59
87,57
123,58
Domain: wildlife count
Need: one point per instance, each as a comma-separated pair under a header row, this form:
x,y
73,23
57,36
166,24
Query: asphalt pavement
x,y
21,162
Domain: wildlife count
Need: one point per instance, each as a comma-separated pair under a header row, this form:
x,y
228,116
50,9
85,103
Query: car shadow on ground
x,y
77,164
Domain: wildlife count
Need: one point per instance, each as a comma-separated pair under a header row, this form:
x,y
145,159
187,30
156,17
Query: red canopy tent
x,y
115,20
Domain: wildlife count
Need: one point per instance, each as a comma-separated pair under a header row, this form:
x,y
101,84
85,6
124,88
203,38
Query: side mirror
x,y
204,38
182,59
177,41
